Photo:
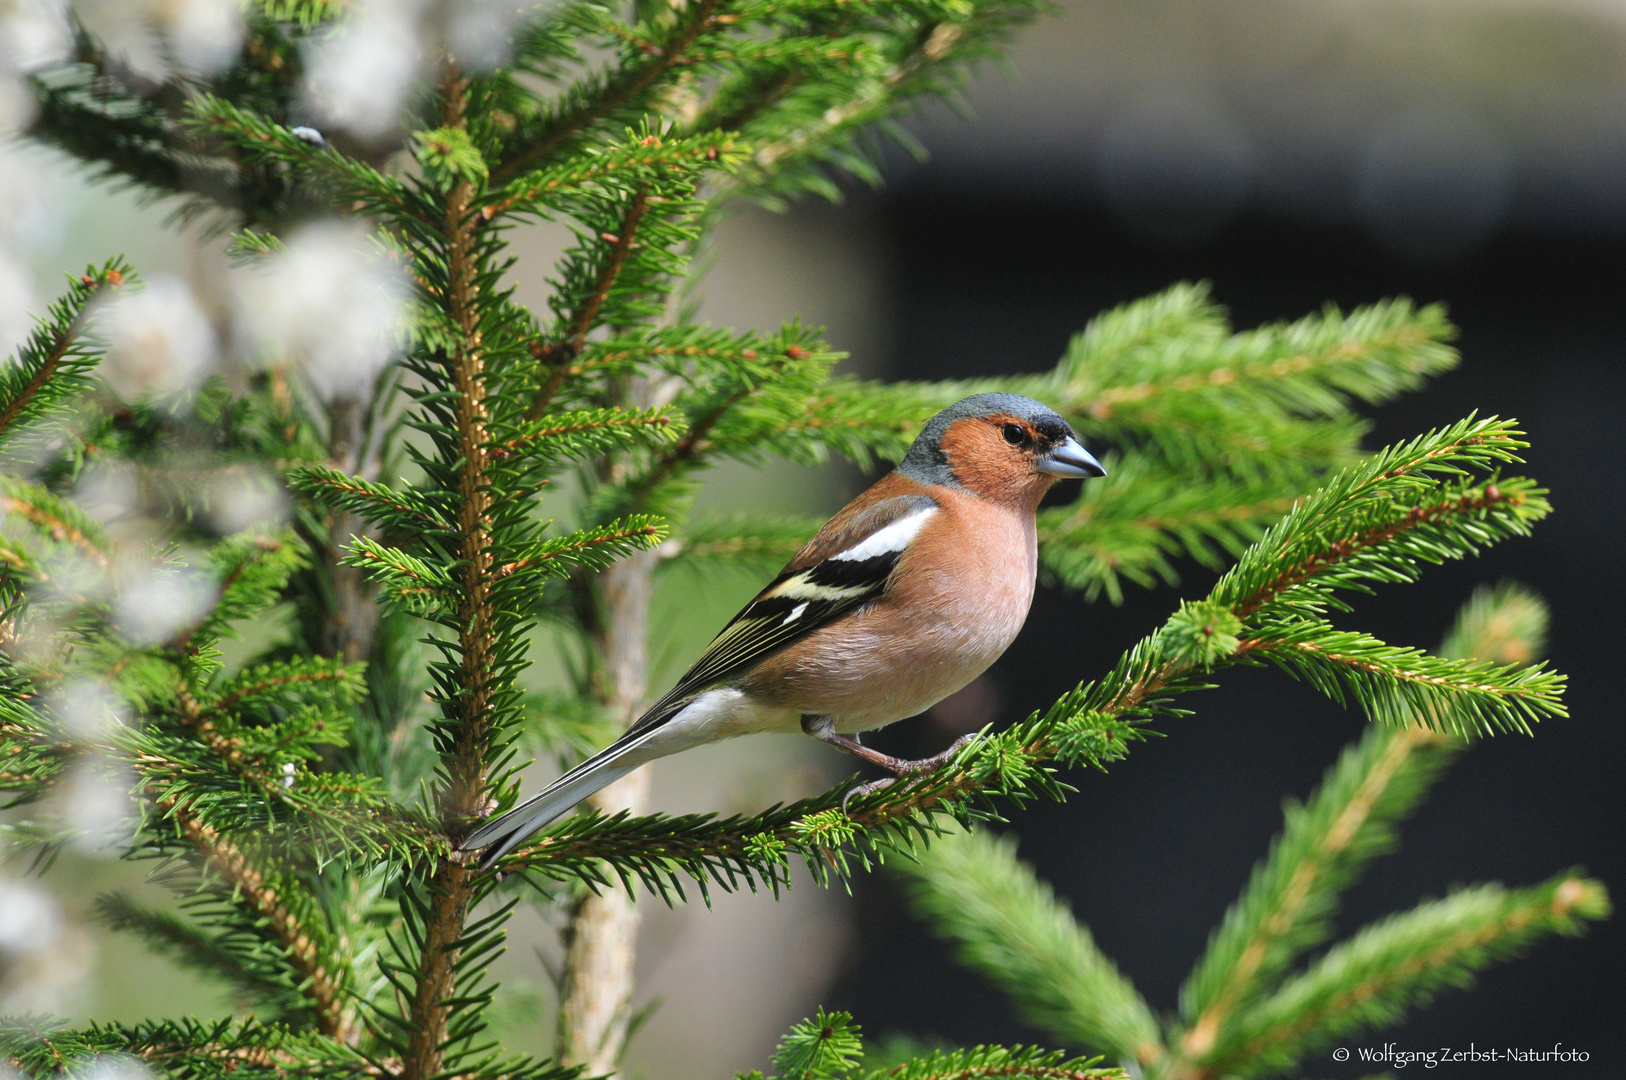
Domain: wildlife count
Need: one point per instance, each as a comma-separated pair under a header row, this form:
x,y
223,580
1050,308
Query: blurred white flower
x,y
204,35
107,492
359,77
87,709
478,30
29,919
17,303
16,107
118,1068
327,302
43,958
159,341
33,33
30,205
99,805
128,31
240,500
155,607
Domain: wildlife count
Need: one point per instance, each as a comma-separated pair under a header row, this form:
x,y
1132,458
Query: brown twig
x,y
662,60
1338,551
464,795
1568,895
1102,403
558,355
53,359
333,1019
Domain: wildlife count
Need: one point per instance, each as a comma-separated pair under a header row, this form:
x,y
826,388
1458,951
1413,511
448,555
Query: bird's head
x,y
999,446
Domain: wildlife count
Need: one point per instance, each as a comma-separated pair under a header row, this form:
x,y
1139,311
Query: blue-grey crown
x,y
925,463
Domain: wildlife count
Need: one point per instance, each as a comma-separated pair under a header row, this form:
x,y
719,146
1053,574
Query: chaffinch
x,y
904,597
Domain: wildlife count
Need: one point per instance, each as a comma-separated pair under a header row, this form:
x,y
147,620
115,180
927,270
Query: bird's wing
x,y
844,567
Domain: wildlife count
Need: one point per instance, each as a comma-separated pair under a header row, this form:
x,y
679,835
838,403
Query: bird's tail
x,y
504,834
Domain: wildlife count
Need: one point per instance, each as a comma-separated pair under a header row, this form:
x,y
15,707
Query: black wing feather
x,y
823,592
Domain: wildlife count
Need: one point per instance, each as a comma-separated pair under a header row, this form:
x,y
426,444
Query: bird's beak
x,y
1070,459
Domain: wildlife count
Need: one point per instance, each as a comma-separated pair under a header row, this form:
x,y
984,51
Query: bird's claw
x,y
908,770
864,790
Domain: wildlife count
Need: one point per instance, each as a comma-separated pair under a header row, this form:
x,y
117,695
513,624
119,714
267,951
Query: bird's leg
x,y
822,729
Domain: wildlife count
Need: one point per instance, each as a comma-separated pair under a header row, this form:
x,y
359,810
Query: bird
x,y
906,595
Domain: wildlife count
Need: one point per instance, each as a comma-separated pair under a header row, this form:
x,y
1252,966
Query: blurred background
x,y
1292,152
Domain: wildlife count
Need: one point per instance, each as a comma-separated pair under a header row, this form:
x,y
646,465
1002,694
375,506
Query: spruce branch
x,y
1401,963
556,357
997,1062
1136,522
1009,926
1291,897
588,432
625,167
64,523
199,948
615,94
441,994
828,1047
185,1049
285,910
87,111
1012,928
342,179
1172,348
924,55
1505,623
56,362
379,504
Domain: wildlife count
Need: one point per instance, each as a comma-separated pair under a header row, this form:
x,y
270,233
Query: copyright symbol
x,y
1341,1054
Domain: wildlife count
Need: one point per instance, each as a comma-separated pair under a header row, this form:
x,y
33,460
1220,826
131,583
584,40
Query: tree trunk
x,y
351,626
601,944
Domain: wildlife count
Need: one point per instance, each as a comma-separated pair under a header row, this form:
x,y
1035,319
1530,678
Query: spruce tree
x,y
513,470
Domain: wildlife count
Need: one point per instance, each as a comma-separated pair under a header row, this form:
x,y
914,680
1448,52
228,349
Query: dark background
x,y
1150,854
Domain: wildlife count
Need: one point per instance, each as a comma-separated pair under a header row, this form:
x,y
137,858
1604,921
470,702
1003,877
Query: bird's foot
x,y
936,761
860,791
901,768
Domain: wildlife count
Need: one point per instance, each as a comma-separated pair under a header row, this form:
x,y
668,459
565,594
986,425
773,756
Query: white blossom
x,y
18,301
358,77
328,303
17,105
108,492
87,709
240,500
29,918
33,33
99,805
127,30
158,605
44,960
118,1068
30,204
204,35
477,31
159,341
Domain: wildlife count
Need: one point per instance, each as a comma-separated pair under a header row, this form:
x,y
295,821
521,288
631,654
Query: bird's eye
x,y
1015,435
